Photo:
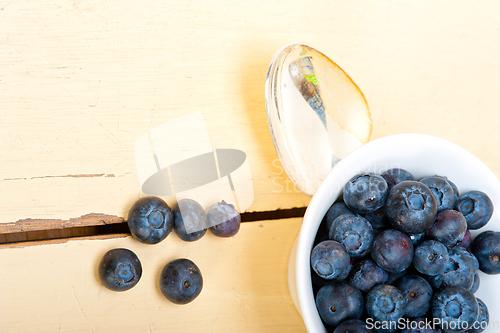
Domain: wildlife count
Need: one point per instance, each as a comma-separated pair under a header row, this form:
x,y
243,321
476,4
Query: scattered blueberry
x,y
392,250
417,293
483,318
366,274
330,260
355,233
442,190
477,208
189,212
224,219
385,303
353,326
449,228
455,307
365,192
486,248
411,207
335,211
395,176
120,269
150,220
339,301
181,281
430,258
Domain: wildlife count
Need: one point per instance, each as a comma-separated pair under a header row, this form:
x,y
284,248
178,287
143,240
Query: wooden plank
x,y
81,81
54,287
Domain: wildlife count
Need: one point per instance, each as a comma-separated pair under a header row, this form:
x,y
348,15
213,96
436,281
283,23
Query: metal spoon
x,y
317,115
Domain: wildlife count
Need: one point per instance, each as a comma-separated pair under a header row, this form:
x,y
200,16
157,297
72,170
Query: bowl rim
x,y
326,196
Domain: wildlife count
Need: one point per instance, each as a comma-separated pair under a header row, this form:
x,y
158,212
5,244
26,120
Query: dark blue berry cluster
x,y
398,250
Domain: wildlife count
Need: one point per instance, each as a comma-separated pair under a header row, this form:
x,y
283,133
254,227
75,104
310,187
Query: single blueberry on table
x,y
191,213
477,208
442,191
224,219
335,211
181,281
339,301
353,326
150,220
392,250
449,228
385,303
475,284
330,260
456,308
421,325
486,248
430,258
417,293
365,192
460,269
120,269
483,318
355,233
395,176
367,274
411,207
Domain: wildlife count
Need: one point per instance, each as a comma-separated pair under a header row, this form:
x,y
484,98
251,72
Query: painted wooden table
x,y
82,81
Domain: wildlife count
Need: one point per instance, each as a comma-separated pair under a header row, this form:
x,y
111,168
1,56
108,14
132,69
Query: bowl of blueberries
x,y
401,236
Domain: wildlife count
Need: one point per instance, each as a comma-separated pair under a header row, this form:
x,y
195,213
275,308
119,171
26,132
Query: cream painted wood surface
x,y
80,81
54,288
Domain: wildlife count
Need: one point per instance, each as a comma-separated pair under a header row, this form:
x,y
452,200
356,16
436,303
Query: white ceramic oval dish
x,y
422,155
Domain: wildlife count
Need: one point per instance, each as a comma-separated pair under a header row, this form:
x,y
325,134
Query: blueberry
x,y
365,192
411,207
442,190
475,284
394,276
335,211
150,220
318,282
477,208
417,293
416,239
339,301
483,318
189,212
430,258
456,193
486,248
472,258
378,218
436,281
395,176
366,274
224,219
456,308
385,303
355,233
353,326
460,269
120,270
449,228
181,281
330,260
392,250
421,325
466,241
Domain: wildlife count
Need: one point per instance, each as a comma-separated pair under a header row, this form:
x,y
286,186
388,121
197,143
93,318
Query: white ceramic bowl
x,y
422,155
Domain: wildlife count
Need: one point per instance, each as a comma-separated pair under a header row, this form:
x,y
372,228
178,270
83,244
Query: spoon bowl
x,y
316,113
